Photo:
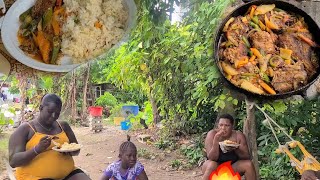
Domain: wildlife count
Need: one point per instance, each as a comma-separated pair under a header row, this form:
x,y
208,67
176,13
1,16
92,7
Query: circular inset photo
x,y
57,35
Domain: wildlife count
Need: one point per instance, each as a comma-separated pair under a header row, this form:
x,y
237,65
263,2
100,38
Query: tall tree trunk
x,y
23,92
249,129
84,103
155,112
73,98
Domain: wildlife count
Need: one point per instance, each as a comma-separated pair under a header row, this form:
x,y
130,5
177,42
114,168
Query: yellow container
x,y
117,120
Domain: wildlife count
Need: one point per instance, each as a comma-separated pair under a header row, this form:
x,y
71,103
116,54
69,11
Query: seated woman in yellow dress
x,y
30,146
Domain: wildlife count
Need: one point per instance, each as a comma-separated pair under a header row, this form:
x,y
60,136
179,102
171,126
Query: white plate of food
x,y
66,147
229,143
69,33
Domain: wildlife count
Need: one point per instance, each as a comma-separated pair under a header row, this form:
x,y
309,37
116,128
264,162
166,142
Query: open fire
x,y
224,172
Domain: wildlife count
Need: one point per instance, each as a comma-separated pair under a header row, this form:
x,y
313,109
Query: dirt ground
x,y
101,149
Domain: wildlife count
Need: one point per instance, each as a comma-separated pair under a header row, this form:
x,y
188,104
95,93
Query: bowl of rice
x,y
90,30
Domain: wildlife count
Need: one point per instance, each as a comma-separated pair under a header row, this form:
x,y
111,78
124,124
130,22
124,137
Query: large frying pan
x,y
241,10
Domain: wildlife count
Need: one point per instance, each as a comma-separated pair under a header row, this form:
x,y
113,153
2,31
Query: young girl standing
x,y
127,167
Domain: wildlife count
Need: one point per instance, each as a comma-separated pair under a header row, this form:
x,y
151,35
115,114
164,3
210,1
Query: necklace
x,y
48,129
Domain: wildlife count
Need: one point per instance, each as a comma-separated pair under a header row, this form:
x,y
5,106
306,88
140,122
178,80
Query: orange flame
x,y
224,172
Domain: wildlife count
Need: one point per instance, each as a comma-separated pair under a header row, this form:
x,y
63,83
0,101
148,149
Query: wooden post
x,y
23,81
249,129
84,102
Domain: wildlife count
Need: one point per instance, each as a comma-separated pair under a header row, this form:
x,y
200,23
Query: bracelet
x,y
35,151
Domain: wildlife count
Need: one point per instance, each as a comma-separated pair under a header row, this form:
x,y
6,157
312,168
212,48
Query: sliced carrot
x,y
252,58
243,61
271,73
266,87
256,52
97,24
55,25
44,46
307,40
58,10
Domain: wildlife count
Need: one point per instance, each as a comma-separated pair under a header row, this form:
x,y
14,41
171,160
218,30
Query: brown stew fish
x,y
267,50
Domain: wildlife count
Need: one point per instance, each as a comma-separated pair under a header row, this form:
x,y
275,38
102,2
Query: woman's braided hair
x,y
125,145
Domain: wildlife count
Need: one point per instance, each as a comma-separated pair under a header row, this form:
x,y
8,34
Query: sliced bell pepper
x,y
252,58
254,25
285,53
25,14
264,77
55,50
287,61
255,19
272,61
262,26
268,30
253,8
270,24
246,42
244,20
256,52
47,18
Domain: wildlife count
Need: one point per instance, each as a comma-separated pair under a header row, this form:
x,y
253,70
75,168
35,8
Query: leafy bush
x,y
116,111
107,99
146,115
194,152
4,122
299,119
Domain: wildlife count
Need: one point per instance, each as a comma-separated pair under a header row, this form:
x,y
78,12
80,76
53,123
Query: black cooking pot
x,y
241,10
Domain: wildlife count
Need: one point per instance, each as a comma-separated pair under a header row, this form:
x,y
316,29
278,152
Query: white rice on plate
x,y
81,39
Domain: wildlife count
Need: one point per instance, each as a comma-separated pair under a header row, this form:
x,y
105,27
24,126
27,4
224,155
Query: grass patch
x,y
144,153
4,142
